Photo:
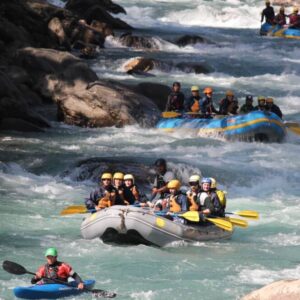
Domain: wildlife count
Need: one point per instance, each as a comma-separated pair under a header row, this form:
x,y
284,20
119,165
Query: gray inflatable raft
x,y
134,225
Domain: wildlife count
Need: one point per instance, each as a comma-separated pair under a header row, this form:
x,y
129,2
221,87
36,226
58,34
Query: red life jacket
x,y
58,270
294,19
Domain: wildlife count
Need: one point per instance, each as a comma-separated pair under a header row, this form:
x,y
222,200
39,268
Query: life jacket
x,y
294,19
193,205
108,200
58,270
195,107
174,206
222,197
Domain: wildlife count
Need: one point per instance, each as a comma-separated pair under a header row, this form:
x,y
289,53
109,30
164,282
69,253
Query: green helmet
x,y
51,252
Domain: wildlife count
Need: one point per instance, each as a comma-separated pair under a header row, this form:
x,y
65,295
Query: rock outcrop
x,y
279,290
190,40
138,42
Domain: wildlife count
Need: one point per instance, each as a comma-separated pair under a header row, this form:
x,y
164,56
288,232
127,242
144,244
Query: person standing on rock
x,y
268,13
162,177
175,99
193,103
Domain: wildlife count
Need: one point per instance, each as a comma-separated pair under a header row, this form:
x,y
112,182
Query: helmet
x,y
270,100
129,177
195,178
281,8
213,183
206,180
261,98
295,9
174,184
229,93
51,252
176,83
160,162
194,88
207,90
118,175
249,98
268,1
106,176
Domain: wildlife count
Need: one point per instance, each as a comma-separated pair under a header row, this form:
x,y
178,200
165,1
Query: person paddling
x,y
55,269
175,99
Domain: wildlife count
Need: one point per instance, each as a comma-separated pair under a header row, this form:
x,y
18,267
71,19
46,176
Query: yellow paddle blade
x,y
237,222
279,33
250,214
293,126
170,114
80,209
226,225
192,216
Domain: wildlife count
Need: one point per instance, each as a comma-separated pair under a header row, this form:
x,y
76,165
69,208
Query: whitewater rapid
x,y
39,174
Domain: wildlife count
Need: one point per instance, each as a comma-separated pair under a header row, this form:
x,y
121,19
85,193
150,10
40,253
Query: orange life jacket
x,y
193,206
174,206
195,107
108,200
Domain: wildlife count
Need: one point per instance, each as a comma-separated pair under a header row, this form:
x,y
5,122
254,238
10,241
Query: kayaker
x,y
280,18
105,195
294,19
270,106
229,104
261,101
192,193
193,103
208,202
206,104
176,202
248,106
162,177
132,194
268,13
221,196
175,99
55,269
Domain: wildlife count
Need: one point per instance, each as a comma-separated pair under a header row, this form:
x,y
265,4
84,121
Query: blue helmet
x,y
206,180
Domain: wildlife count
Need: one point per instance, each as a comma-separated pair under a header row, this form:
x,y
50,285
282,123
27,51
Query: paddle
x,y
293,126
249,214
193,216
16,269
76,209
237,222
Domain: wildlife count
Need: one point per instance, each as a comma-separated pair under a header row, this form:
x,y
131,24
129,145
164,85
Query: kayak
x,y
254,126
51,291
135,225
278,31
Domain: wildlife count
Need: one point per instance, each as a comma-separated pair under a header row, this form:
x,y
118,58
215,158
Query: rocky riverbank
x,y
42,64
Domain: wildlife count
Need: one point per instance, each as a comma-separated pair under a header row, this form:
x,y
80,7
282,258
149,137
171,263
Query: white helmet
x,y
129,177
195,178
213,183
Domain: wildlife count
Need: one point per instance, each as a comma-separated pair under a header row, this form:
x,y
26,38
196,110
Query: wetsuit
x,y
269,14
259,107
280,19
294,21
175,102
207,107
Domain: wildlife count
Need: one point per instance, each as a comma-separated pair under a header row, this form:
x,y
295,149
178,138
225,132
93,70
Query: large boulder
x,y
190,40
56,29
138,42
82,99
196,68
157,92
139,65
279,290
98,10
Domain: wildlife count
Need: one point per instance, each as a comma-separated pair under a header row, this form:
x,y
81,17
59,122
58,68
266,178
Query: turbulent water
x,y
262,177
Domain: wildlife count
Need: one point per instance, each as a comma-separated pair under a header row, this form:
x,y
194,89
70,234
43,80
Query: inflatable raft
x,y
254,126
51,291
275,30
134,225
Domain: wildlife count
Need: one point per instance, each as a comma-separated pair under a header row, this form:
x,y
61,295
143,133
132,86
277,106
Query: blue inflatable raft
x,y
51,291
275,30
254,126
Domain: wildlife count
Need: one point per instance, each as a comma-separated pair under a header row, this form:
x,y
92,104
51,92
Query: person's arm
x,y
187,105
168,105
78,280
262,16
91,202
184,203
